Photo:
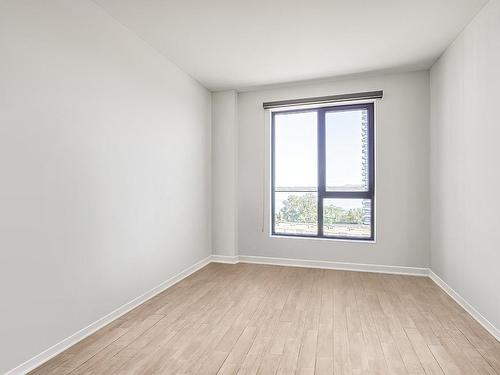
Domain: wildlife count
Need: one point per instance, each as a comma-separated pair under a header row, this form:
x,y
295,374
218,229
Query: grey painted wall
x,y
465,172
104,158
402,174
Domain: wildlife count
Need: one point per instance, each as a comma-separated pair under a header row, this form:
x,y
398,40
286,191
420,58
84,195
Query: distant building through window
x,y
323,172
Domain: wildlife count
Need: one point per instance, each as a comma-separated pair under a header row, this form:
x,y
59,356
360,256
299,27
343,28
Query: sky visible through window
x,y
296,152
344,151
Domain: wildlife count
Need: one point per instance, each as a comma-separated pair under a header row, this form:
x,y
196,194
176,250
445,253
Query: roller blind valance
x,y
324,99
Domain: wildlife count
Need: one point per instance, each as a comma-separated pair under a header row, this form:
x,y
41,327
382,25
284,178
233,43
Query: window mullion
x,y
348,194
321,168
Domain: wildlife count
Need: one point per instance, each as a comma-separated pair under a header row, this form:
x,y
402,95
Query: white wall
x,y
224,173
465,171
402,174
104,159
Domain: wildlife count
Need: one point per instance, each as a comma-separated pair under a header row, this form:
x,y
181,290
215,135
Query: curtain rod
x,y
324,99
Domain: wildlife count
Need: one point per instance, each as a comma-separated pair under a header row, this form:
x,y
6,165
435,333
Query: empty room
x,y
202,187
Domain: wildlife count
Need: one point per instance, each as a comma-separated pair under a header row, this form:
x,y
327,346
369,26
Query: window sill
x,y
371,242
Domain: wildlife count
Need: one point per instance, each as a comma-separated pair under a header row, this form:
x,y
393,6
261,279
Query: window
x,y
323,172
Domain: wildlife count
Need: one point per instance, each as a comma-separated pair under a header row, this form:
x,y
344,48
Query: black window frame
x,y
322,192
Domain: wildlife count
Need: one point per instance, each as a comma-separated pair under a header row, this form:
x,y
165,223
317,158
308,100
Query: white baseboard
x,y
90,329
494,331
398,270
225,259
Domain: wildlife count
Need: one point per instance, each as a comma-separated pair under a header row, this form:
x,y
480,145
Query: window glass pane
x,y
347,218
296,213
346,134
295,151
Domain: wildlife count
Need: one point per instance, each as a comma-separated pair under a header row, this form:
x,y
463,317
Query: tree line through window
x,y
323,172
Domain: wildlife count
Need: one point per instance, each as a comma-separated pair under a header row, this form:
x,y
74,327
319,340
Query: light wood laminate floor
x,y
258,319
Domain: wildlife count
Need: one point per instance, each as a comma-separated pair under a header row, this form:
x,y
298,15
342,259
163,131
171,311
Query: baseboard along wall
x,y
398,270
61,346
487,325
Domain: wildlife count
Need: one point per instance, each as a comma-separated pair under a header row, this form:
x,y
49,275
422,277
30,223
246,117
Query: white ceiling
x,y
235,44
